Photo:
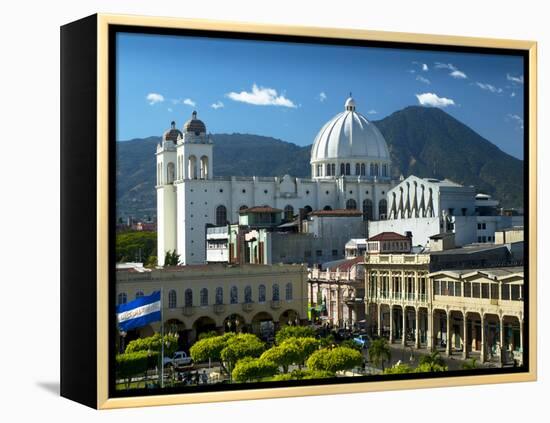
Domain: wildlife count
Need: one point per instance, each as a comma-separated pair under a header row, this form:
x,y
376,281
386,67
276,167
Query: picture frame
x,y
88,212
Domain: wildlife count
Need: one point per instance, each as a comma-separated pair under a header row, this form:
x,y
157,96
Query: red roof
x,y
260,209
348,264
337,212
389,236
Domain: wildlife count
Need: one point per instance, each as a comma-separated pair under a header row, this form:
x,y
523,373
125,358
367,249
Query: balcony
x,y
219,308
188,311
275,304
248,307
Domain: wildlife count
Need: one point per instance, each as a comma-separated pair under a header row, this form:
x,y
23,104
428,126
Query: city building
x,y
424,207
350,169
201,298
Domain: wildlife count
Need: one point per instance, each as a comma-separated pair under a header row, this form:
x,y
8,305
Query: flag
x,y
139,312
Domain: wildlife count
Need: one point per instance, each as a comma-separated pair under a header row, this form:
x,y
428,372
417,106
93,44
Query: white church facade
x,y
350,169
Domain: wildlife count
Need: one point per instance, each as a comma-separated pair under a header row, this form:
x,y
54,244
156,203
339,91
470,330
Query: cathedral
x,y
350,169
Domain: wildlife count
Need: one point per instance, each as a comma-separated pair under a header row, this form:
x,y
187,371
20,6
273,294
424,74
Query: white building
x,y
350,168
425,207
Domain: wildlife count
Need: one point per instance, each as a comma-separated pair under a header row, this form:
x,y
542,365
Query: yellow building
x,y
201,298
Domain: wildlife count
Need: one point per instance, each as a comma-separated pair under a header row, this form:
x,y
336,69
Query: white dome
x,y
349,135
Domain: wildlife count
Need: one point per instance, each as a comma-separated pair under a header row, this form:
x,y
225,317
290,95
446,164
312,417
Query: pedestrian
x,y
204,377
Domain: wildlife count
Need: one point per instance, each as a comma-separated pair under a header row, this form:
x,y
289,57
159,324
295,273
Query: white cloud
x,y
154,98
422,79
516,79
431,99
189,102
489,87
517,119
455,72
170,109
372,112
425,67
513,94
261,96
411,71
322,96
217,105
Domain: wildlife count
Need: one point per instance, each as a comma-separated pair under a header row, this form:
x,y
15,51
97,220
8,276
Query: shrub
x,y
336,359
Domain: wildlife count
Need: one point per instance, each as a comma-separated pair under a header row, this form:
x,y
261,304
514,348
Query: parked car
x,y
179,359
363,340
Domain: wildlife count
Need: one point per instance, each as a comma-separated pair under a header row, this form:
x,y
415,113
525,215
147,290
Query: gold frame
x,y
104,20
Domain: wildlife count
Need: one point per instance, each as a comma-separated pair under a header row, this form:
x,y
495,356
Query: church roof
x,y
260,209
195,125
337,213
389,236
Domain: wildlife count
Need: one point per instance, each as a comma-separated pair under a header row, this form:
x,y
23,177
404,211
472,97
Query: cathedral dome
x,y
172,134
349,136
195,125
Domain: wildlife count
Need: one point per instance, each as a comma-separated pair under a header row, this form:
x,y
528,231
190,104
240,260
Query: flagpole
x,y
161,339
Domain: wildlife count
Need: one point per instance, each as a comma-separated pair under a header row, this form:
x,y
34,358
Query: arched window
x,y
234,295
139,294
384,170
382,209
170,173
221,216
288,291
333,169
351,204
308,209
376,170
122,298
248,294
372,169
367,210
275,295
219,295
192,167
289,212
319,170
261,293
327,169
172,299
348,169
357,169
243,207
204,297
342,169
188,297
204,167
327,208
363,173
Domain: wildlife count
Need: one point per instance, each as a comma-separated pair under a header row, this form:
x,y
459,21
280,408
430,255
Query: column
x,y
404,327
448,344
501,334
379,319
430,336
417,329
520,334
465,336
482,359
390,285
391,323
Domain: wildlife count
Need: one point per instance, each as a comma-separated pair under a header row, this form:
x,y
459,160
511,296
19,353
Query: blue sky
x,y
289,91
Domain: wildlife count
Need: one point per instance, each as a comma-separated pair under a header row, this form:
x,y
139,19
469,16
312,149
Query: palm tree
x,y
379,352
470,364
431,363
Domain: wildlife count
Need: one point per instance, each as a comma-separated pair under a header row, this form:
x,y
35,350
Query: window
x,y
367,210
275,289
139,294
122,298
467,289
221,216
219,295
327,169
248,294
308,209
351,204
382,209
319,170
357,169
484,290
172,299
289,212
288,292
334,253
333,169
319,253
204,297
376,170
234,295
342,169
327,208
170,173
384,170
261,293
363,169
348,169
188,297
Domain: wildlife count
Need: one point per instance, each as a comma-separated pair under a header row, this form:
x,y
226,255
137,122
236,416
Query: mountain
x,y
426,142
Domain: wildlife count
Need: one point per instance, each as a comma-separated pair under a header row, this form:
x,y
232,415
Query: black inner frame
x,y
113,30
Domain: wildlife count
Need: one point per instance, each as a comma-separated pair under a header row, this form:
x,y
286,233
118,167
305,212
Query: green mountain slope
x,y
423,141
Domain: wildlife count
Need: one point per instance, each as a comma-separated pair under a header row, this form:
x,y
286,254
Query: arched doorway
x,y
263,326
289,318
202,325
234,323
176,326
351,204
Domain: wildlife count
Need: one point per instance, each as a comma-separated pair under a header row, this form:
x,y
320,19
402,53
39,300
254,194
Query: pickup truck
x,y
179,359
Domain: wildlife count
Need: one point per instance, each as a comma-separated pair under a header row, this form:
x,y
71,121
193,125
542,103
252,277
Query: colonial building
x,y
350,169
201,298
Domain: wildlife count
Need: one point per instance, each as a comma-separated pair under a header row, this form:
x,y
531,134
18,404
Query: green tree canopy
x,y
171,258
398,369
135,245
153,343
240,346
302,374
379,352
294,332
253,369
336,359
132,364
291,351
210,348
431,363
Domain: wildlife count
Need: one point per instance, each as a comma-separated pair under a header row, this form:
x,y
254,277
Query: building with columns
x,y
350,169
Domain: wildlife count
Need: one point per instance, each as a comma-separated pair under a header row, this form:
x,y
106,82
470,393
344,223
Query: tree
x,y
209,334
350,343
294,332
171,258
336,359
210,349
470,364
291,351
135,245
253,369
240,346
132,364
153,343
379,352
398,369
431,363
